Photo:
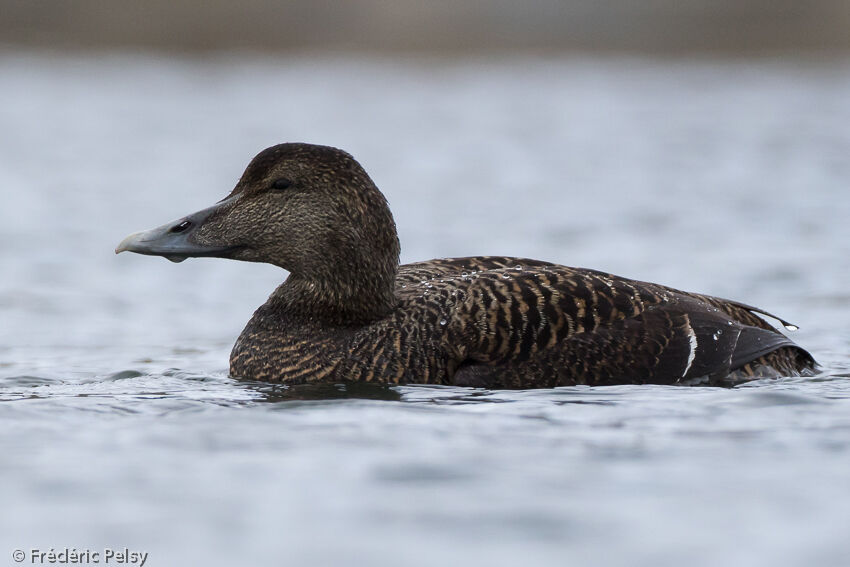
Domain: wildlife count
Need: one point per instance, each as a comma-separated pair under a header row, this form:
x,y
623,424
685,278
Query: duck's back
x,y
520,323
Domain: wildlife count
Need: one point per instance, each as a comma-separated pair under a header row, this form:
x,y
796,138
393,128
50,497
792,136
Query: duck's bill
x,y
175,240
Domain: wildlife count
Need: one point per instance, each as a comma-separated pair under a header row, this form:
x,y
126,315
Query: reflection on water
x,y
123,428
275,393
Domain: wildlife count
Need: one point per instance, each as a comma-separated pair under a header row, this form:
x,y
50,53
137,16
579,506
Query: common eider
x,y
349,312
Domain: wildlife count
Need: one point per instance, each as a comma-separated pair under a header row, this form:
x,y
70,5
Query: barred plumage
x,y
348,312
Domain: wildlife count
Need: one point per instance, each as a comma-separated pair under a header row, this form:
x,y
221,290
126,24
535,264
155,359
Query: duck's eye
x,y
282,183
180,227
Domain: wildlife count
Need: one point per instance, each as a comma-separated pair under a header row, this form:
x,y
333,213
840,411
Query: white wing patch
x,y
692,340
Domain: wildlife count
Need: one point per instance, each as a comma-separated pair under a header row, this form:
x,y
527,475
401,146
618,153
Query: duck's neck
x,y
346,274
345,299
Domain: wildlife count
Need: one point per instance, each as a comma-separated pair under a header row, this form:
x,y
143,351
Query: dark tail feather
x,y
754,343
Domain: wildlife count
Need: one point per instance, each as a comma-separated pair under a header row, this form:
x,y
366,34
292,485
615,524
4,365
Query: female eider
x,y
349,312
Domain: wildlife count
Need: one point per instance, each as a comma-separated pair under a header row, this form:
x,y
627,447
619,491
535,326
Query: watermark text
x,y
74,556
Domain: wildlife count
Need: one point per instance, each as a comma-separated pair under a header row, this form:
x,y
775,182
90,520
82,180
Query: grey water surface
x,y
121,427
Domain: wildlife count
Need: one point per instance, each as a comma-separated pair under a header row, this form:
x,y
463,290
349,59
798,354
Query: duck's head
x,y
309,209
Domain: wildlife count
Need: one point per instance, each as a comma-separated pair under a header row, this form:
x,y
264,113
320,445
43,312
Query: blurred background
x,y
701,144
659,26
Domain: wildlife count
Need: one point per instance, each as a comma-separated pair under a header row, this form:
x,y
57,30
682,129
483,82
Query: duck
x,y
349,312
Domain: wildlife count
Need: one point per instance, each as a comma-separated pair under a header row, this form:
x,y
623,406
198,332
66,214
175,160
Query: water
x,y
122,428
